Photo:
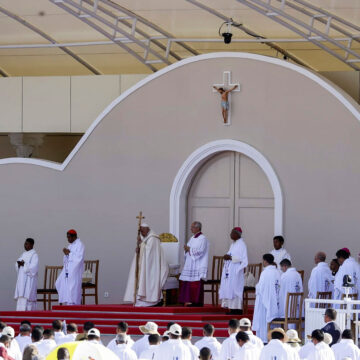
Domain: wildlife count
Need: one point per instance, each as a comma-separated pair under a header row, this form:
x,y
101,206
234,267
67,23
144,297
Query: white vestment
x,y
293,352
211,343
349,267
66,338
346,349
255,340
46,346
23,341
280,255
247,352
141,345
112,344
290,282
320,279
68,284
275,349
232,278
14,350
306,350
153,272
150,353
58,336
196,260
229,348
26,284
172,349
193,349
321,351
124,352
267,300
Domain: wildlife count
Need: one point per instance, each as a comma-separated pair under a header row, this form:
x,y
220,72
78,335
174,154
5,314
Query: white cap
x,y
327,338
149,328
175,329
94,331
245,322
9,331
144,225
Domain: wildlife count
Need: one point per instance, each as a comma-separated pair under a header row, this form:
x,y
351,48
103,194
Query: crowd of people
x,y
176,343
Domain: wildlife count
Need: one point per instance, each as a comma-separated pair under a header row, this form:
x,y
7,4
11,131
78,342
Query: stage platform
x,y
106,317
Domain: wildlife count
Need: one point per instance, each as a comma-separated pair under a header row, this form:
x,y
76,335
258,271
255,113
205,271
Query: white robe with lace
x,y
267,301
26,284
280,255
232,278
320,279
68,284
153,272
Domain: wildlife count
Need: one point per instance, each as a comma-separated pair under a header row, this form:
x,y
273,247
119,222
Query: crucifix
x,y
225,89
140,217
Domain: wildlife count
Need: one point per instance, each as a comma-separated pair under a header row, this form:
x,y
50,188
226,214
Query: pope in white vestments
x,y
321,277
195,268
27,267
153,270
290,282
232,278
279,253
267,297
68,284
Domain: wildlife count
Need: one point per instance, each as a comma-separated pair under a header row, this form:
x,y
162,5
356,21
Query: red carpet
x,y
106,317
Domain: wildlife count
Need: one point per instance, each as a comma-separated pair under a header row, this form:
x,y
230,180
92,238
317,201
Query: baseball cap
x,y
245,322
94,331
9,331
175,329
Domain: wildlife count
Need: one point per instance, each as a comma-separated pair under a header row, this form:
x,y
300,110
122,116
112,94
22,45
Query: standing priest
x,y
195,268
232,278
153,270
68,284
27,275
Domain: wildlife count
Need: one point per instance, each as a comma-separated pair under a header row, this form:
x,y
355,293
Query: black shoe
x,y
160,303
235,312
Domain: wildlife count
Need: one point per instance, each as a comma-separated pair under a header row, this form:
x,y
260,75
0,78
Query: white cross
x,y
227,84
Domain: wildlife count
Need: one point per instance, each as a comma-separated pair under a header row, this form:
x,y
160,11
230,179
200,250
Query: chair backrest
x,y
254,269
51,274
324,295
217,265
93,266
294,305
301,272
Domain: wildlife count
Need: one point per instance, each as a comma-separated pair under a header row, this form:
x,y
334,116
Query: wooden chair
x,y
301,272
293,313
324,295
93,266
249,291
214,282
49,290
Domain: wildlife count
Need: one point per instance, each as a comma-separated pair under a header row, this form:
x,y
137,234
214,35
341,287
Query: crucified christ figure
x,y
224,100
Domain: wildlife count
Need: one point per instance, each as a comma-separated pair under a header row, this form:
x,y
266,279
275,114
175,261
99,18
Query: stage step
x,y
106,317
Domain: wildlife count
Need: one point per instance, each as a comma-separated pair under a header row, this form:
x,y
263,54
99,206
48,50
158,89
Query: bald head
x,y
320,257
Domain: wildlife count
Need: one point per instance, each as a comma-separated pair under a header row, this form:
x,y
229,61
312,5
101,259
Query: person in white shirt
x,y
293,339
57,326
346,347
205,354
143,343
24,338
320,351
245,326
36,336
154,342
232,278
186,338
276,348
71,334
267,297
122,350
47,344
290,282
14,349
27,267
209,341
246,350
94,336
174,348
230,346
194,272
122,328
321,277
279,253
